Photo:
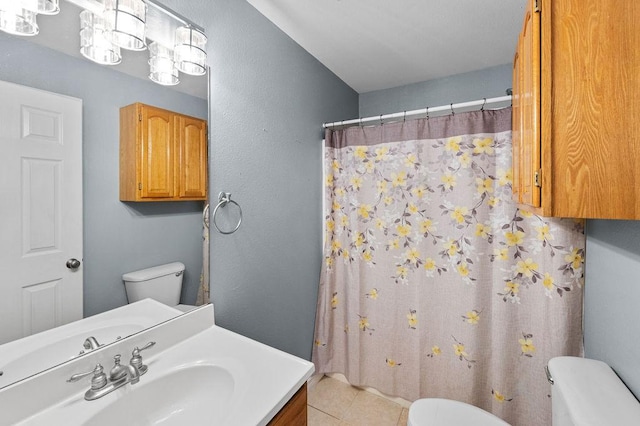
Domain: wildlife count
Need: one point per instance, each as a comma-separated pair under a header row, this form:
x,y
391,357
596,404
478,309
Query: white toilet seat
x,y
446,412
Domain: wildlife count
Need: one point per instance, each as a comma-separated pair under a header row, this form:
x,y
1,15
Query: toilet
x,y
162,283
447,412
584,392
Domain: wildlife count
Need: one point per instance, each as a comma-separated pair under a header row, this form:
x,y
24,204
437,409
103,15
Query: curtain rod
x,y
423,111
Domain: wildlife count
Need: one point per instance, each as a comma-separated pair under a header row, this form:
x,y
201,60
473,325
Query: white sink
x,y
177,398
210,376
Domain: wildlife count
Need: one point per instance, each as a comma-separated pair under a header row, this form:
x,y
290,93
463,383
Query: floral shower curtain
x,y
434,283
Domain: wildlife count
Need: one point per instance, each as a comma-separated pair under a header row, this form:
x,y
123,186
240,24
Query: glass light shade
x,y
190,51
44,7
126,21
162,66
95,40
16,20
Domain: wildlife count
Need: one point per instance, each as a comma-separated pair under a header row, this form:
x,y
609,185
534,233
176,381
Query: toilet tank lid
x,y
154,272
593,393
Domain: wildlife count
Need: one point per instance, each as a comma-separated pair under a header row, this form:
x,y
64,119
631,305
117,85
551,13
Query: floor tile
x,y
332,397
404,417
316,417
371,410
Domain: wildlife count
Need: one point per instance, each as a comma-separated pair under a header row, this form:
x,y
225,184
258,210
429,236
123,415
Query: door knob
x,y
73,263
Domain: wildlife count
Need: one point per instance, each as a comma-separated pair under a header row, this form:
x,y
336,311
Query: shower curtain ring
x,y
427,113
452,111
360,121
380,118
405,116
483,104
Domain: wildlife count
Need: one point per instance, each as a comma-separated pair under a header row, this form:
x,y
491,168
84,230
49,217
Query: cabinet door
x,y
157,153
192,157
529,105
516,125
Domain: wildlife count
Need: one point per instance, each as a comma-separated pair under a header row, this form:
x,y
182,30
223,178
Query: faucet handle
x,y
147,346
136,358
98,381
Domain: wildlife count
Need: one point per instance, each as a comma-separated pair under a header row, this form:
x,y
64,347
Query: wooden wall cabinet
x,y
576,99
163,155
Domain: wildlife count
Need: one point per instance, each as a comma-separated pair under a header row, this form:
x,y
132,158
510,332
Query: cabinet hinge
x,y
537,6
139,116
537,178
140,186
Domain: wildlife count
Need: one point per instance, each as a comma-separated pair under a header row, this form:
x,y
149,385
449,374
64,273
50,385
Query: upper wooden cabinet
x,y
576,97
163,155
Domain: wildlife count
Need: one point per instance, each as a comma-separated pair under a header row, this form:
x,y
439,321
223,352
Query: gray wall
x,y
118,237
612,297
269,98
486,83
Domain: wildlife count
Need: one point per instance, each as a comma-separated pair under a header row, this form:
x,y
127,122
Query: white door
x,y
40,210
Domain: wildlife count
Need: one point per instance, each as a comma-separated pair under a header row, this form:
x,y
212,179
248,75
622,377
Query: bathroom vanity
x,y
197,373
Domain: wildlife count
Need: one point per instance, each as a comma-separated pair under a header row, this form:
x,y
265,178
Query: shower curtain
x,y
435,284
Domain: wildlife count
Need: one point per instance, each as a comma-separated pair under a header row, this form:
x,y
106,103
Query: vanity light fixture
x,y
190,53
126,20
16,20
95,40
179,45
18,17
162,66
43,7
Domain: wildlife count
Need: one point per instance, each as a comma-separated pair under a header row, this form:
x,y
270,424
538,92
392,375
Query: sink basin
x,y
181,397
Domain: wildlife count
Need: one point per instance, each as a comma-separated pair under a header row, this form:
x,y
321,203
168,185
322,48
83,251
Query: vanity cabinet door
x,y
294,413
163,155
577,99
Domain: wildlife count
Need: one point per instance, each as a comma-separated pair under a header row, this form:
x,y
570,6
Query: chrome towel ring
x,y
224,198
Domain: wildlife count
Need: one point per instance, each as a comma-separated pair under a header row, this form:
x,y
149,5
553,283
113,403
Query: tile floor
x,y
334,403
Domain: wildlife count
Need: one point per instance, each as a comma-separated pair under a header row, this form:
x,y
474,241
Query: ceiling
x,y
379,44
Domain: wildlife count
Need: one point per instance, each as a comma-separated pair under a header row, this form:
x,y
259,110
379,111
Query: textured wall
x,y
486,83
118,237
612,296
269,99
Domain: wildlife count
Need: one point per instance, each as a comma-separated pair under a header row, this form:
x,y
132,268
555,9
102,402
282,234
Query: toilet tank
x,y
588,392
162,283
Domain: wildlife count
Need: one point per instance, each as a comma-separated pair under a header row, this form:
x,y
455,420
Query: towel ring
x,y
224,198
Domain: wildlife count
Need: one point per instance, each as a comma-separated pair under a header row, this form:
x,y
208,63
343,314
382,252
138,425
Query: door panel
x,y
41,210
192,157
157,153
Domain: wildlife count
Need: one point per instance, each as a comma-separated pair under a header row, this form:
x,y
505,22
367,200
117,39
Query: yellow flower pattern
x,y
526,345
412,318
424,242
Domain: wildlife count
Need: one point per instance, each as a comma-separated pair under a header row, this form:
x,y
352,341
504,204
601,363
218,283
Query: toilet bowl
x,y
445,412
584,392
162,283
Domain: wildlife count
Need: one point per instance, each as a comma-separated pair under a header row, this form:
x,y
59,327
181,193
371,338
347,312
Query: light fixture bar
x,y
175,15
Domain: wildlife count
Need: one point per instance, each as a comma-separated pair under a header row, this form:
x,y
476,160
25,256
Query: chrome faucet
x,y
119,375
